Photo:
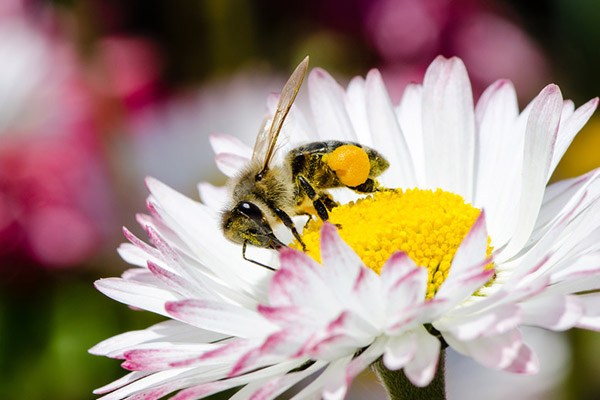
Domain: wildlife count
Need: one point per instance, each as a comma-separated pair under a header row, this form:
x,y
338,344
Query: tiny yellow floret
x,y
350,163
428,225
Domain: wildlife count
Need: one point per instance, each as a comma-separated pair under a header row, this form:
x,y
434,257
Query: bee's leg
x,y
328,201
287,221
253,261
369,186
312,195
310,217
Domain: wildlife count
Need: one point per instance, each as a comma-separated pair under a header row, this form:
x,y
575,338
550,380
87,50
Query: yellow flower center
x,y
429,226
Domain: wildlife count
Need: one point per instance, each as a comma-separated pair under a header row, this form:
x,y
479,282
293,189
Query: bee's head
x,y
247,223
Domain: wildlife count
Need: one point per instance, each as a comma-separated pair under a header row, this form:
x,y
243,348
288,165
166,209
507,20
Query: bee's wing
x,y
264,148
262,141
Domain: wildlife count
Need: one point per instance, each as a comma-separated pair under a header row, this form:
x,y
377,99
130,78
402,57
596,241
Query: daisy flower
x,y
471,247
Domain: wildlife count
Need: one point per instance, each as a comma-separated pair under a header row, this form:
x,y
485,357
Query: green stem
x,y
400,388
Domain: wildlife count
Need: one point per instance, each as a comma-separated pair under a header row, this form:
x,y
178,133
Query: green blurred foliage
x,y
45,332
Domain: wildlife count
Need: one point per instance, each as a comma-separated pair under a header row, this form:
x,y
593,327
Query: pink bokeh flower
x,y
55,203
408,34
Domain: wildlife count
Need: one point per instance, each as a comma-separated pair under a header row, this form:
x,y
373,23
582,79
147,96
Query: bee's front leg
x,y
287,221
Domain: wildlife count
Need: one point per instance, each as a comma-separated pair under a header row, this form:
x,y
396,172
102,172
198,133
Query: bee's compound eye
x,y
250,210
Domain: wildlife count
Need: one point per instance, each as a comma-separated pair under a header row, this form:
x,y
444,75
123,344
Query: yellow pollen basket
x,y
429,226
350,163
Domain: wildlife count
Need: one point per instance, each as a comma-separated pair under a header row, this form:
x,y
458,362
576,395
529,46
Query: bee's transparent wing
x,y
266,141
262,140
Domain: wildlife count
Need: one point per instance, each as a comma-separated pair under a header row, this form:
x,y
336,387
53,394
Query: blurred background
x,y
97,94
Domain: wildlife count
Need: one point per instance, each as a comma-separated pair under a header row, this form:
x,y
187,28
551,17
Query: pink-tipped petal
x,y
220,317
136,294
298,282
591,317
404,284
421,369
400,350
557,313
342,263
498,320
525,363
472,250
337,389
497,352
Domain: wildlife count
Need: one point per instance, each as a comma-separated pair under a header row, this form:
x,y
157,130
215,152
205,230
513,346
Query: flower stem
x,y
400,388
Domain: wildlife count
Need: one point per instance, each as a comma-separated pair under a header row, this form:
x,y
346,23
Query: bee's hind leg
x,y
369,186
287,221
253,261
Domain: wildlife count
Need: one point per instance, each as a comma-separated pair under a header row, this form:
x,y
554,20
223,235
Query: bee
x,y
265,194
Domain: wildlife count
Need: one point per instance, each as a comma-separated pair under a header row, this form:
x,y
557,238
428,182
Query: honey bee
x,y
265,194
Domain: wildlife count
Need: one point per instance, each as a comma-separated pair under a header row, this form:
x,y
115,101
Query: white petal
x,y
356,105
421,370
151,381
569,127
448,127
591,317
557,313
276,347
229,144
298,282
220,317
331,373
206,389
231,164
399,350
497,352
342,264
125,380
386,133
215,197
327,103
404,284
410,117
498,320
171,330
136,294
133,255
498,142
273,388
337,389
467,273
526,362
542,127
